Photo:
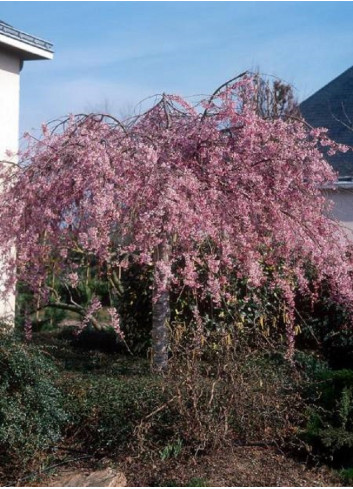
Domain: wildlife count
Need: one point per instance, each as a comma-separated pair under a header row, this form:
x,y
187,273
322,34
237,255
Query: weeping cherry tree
x,y
218,187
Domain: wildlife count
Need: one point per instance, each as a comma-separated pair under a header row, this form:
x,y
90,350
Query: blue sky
x,y
110,55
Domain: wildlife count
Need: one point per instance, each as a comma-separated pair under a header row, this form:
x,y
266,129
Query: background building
x,y
332,107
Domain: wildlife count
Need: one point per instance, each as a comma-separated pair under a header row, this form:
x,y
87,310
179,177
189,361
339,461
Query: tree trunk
x,y
161,309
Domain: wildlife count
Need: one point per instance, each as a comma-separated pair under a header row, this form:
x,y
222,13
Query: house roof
x,y
28,47
332,107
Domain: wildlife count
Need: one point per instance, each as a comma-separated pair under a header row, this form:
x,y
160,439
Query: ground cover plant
x,y
32,414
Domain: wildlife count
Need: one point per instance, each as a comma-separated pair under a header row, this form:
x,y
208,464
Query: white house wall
x,y
9,102
9,125
343,207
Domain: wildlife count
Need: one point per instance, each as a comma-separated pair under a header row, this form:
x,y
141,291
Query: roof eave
x,y
24,50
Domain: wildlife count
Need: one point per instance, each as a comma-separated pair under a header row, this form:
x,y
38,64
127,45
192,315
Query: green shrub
x,y
346,475
326,328
338,348
106,411
330,423
31,412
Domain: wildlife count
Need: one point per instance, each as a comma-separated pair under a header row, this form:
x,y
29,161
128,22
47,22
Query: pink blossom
x,y
115,322
28,327
94,306
73,279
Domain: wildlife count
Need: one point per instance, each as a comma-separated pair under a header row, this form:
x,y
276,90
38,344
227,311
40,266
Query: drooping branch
x,y
219,89
81,311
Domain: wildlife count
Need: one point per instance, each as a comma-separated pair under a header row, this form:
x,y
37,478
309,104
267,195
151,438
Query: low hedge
x,y
32,417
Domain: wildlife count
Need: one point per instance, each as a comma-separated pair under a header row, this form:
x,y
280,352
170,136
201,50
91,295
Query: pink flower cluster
x,y
94,306
115,322
28,328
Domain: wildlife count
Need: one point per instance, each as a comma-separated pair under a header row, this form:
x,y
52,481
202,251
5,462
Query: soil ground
x,y
240,466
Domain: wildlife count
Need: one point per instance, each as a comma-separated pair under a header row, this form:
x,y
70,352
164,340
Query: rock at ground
x,y
100,478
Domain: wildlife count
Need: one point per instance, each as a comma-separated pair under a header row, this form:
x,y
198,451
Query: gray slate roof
x,y
332,107
9,31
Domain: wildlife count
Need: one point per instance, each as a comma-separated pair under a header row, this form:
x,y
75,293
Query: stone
x,y
101,478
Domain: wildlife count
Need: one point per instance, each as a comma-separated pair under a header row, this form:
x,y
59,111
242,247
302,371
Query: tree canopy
x,y
196,193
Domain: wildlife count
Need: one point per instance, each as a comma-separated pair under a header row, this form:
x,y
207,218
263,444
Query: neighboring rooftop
x,y
28,47
332,107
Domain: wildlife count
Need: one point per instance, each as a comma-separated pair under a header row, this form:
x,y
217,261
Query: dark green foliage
x,y
330,424
338,348
347,476
135,307
31,412
91,339
105,411
327,331
326,328
172,450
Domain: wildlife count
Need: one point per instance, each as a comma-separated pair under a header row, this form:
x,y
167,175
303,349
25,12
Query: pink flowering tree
x,y
223,190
